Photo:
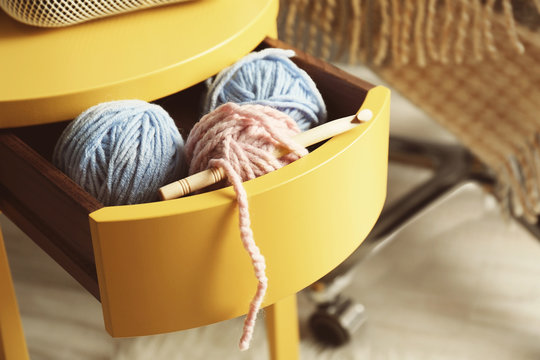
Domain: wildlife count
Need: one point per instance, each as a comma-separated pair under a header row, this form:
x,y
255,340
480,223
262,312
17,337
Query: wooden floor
x,y
460,282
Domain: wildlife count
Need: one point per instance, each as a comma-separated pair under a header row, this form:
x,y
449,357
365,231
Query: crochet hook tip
x,y
363,116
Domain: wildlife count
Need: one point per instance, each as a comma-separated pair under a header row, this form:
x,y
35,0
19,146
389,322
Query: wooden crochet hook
x,y
317,134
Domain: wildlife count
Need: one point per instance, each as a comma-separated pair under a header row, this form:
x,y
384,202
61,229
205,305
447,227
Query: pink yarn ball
x,y
245,136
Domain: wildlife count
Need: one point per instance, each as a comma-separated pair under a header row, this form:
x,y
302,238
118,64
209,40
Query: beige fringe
x,y
447,29
537,3
419,32
423,31
384,33
488,34
340,31
313,27
432,13
327,24
462,32
477,31
395,31
302,21
355,28
536,145
492,110
406,31
511,26
290,21
465,66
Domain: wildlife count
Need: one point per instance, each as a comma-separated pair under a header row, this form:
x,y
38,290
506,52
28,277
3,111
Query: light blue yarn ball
x,y
121,152
270,78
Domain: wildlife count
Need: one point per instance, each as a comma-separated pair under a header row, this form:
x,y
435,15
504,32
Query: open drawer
x,y
178,264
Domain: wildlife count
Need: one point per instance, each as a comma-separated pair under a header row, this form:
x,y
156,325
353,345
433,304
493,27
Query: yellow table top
x,y
49,75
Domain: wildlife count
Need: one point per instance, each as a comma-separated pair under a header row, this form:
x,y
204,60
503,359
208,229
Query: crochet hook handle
x,y
317,134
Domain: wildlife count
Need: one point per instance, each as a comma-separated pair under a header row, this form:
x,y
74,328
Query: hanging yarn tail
x,y
240,139
246,234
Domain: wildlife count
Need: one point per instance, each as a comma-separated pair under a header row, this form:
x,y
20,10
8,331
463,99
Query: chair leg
x,y
282,329
12,342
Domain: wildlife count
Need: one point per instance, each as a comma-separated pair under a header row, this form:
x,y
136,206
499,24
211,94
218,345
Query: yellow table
x,y
49,75
179,264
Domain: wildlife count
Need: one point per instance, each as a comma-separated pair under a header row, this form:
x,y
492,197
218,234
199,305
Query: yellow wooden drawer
x,y
178,264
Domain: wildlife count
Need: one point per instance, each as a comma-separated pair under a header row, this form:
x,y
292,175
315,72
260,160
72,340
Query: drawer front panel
x,y
180,263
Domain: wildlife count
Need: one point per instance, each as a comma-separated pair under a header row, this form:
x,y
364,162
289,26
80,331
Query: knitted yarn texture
x,y
240,140
121,152
269,78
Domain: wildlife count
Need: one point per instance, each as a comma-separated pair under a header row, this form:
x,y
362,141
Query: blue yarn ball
x,y
121,152
270,78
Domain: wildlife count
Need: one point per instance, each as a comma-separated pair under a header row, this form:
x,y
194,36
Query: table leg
x,y
282,329
12,342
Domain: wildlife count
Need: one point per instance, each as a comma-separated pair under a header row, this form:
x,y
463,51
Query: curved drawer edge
x,y
376,100
180,264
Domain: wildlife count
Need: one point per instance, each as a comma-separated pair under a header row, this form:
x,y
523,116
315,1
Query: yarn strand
x,y
511,26
487,28
257,259
384,34
477,31
396,25
462,32
406,28
290,21
355,30
240,139
418,33
447,29
430,20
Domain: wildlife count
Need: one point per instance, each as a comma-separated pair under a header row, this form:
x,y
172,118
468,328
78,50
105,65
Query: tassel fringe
x,y
470,64
396,32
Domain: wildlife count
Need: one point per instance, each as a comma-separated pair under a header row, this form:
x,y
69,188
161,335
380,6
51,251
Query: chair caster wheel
x,y
334,323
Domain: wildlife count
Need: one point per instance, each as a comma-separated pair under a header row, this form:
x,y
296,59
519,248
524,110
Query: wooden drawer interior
x,y
53,210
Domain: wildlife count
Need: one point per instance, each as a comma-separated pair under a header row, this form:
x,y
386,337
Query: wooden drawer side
x,y
48,207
